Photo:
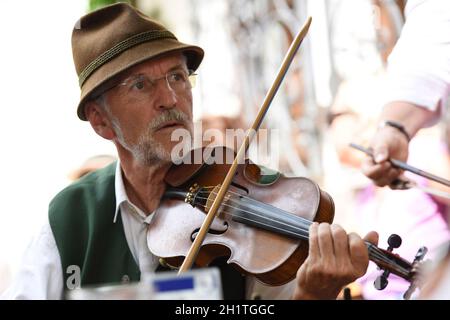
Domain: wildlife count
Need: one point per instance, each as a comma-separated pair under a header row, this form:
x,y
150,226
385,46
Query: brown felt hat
x,y
112,39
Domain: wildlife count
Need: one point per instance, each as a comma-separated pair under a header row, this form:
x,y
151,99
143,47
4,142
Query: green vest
x,y
81,218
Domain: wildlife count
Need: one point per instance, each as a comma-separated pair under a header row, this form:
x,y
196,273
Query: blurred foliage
x,y
97,4
154,13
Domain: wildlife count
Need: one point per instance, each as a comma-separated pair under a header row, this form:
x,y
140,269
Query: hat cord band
x,y
121,47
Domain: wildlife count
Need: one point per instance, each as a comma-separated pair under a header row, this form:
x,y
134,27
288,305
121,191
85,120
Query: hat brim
x,y
133,56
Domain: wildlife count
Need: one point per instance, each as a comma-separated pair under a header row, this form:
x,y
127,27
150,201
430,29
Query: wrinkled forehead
x,y
157,66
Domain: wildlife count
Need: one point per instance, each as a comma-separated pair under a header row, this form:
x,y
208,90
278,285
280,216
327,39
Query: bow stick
x,y
409,184
195,247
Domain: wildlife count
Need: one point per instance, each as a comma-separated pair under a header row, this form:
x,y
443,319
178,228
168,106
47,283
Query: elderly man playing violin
x,y
135,90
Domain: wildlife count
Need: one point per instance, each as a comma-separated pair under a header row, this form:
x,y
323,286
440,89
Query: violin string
x,y
308,222
373,250
301,231
253,213
376,252
293,233
379,256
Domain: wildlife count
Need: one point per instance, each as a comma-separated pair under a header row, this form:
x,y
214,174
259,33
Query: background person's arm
x,y
390,142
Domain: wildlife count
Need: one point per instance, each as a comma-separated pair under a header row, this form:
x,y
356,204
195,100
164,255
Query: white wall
x,y
42,139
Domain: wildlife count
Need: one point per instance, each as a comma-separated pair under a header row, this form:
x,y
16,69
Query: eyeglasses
x,y
141,86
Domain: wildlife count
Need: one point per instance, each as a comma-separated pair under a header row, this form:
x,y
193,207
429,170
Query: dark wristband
x,y
397,126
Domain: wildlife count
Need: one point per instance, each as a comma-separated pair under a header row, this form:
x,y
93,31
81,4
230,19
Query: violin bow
x,y
409,184
195,247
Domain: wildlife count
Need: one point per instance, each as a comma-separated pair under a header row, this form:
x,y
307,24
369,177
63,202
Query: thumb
x,y
380,153
372,237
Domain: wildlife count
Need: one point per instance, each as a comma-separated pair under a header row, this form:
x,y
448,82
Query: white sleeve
x,y
40,274
419,65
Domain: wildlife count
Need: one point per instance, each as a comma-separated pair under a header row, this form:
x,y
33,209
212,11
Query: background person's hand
x,y
387,143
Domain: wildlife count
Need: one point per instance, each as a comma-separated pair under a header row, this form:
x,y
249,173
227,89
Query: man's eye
x,y
139,84
177,76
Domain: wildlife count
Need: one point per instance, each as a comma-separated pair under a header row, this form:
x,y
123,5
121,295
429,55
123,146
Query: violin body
x,y
251,228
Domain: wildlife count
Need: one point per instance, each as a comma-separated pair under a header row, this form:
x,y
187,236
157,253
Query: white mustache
x,y
168,115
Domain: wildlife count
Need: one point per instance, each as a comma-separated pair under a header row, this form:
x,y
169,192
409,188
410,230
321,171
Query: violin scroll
x,y
381,281
392,263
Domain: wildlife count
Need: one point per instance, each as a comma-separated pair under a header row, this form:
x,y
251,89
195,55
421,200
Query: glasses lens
x,y
193,79
141,87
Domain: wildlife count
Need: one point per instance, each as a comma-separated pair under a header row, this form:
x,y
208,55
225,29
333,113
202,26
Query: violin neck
x,y
389,261
267,217
287,224
273,219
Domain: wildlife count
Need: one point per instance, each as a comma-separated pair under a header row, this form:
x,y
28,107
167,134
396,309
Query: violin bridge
x,y
212,197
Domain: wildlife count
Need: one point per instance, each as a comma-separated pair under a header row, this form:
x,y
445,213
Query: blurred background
x,y
330,97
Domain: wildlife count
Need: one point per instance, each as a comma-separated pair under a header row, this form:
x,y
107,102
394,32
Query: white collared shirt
x,y
41,276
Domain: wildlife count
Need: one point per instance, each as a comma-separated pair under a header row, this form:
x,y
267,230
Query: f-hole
x,y
238,186
211,230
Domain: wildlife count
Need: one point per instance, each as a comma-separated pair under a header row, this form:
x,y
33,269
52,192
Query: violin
x,y
262,226
256,217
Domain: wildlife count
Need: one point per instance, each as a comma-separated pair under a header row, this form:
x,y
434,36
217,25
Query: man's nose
x,y
166,95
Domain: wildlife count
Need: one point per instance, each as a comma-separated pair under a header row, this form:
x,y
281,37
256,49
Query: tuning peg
x,y
394,241
381,281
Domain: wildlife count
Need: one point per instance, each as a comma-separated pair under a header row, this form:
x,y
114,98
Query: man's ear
x,y
98,120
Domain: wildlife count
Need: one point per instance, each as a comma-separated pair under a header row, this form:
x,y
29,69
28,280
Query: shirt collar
x,y
121,194
122,198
